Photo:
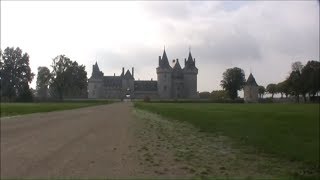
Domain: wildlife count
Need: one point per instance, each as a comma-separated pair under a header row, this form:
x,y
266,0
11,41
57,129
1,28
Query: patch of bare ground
x,y
169,148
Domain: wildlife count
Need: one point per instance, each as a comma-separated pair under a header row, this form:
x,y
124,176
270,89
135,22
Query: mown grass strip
x,y
287,130
13,109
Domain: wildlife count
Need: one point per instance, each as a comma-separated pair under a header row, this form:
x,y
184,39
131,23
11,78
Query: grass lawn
x,y
12,109
286,130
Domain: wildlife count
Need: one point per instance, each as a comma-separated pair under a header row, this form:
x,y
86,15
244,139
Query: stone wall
x,y
250,94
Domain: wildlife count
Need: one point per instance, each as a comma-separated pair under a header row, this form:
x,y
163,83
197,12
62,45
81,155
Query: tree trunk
x,y
304,98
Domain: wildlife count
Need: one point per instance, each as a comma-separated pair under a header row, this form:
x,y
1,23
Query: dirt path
x,y
116,141
86,142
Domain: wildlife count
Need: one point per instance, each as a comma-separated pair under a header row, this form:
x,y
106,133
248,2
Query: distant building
x,y
251,90
173,82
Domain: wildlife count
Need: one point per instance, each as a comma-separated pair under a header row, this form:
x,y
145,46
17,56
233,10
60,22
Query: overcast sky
x,y
262,37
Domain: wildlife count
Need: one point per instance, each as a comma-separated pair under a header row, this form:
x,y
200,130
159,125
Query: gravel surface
x,y
86,142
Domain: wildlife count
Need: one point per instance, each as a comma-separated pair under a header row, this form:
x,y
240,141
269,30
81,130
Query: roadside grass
x,y
13,109
290,131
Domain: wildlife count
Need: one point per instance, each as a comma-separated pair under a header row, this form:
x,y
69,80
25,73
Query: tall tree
x,y
272,89
68,78
310,77
43,80
57,85
296,82
285,88
261,91
233,80
15,74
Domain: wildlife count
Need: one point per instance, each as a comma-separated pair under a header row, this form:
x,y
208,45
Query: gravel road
x,y
86,142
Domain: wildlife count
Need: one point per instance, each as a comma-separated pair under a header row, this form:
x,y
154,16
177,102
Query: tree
x,y
219,95
261,91
285,88
68,79
43,80
15,74
233,80
297,66
280,88
271,89
310,77
296,81
204,95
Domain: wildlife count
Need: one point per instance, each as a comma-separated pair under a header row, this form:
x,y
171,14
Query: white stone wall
x,y
95,89
190,84
250,94
164,83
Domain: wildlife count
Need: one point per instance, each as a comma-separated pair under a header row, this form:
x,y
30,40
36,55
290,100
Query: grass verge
x,y
290,131
13,109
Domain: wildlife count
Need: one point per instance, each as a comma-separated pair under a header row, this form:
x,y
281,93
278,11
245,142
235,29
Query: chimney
x,y
132,72
122,70
114,74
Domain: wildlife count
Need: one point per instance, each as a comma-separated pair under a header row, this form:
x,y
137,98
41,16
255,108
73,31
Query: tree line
x,y
303,80
66,79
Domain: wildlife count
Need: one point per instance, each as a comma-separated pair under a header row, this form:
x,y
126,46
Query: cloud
x,y
264,36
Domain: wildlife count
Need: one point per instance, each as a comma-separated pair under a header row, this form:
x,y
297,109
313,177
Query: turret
x,y
190,72
95,89
96,73
177,81
251,90
164,73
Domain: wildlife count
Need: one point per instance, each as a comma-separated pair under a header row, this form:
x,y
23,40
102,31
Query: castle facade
x,y
172,82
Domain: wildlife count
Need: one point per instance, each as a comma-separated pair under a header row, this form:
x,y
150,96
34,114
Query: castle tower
x,y
164,73
95,83
190,72
177,81
251,90
128,84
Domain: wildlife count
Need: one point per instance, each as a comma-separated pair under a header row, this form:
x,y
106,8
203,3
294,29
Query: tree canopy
x,y
15,75
68,79
271,89
261,91
233,80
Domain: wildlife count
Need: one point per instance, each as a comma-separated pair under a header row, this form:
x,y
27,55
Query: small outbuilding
x,y
251,90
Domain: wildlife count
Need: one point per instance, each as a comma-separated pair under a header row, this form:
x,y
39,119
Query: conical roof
x,y
190,59
251,81
177,65
164,63
128,75
190,63
96,73
177,71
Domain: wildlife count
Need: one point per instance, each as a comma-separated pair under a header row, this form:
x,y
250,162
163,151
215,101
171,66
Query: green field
x,y
12,109
290,131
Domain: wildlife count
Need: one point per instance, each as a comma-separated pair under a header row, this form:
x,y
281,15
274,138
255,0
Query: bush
x,y
146,99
